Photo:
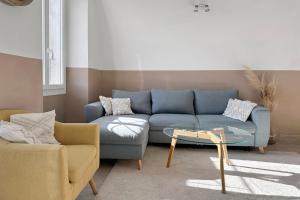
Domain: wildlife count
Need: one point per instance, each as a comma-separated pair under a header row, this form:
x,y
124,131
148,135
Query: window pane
x,y
55,40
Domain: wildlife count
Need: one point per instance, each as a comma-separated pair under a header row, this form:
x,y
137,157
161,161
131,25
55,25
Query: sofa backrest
x,y
172,101
213,102
178,101
140,100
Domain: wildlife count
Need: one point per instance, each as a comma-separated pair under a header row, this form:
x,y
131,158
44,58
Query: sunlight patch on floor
x,y
255,177
247,185
259,167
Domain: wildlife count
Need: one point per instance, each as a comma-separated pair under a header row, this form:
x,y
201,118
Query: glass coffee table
x,y
216,136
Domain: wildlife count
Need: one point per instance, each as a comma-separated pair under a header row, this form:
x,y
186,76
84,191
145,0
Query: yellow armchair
x,y
49,172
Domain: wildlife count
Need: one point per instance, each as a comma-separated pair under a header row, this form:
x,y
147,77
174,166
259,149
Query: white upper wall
x,y
21,30
94,41
77,33
84,29
167,34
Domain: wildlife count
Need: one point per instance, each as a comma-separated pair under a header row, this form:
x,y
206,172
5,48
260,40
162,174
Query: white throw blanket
x,y
16,133
31,128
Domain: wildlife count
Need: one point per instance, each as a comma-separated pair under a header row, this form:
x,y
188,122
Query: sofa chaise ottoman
x,y
126,136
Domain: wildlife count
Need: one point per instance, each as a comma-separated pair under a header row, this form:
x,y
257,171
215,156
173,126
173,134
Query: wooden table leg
x,y
224,146
226,157
222,174
171,151
219,150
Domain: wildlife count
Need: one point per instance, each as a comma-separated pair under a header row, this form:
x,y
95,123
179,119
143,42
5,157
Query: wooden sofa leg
x,y
261,150
93,186
139,164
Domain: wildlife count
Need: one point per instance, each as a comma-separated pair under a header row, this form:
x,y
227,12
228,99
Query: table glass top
x,y
222,134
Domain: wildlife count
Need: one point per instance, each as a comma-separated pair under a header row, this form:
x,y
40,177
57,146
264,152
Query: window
x,y
53,48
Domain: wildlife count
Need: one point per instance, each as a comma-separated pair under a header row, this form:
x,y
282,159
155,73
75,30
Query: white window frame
x,y
49,90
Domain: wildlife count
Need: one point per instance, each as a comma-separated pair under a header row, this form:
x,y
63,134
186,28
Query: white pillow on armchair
x,y
41,125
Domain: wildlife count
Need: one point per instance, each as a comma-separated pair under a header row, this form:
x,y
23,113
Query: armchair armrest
x,y
93,111
77,133
261,118
33,172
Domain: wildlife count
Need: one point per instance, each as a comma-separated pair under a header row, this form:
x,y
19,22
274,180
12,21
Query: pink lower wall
x,y
57,103
21,83
83,86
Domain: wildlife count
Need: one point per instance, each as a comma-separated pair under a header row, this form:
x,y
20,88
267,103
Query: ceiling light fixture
x,y
16,2
201,5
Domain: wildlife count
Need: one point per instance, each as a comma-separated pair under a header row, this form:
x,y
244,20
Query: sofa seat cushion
x,y
208,122
79,159
160,121
124,129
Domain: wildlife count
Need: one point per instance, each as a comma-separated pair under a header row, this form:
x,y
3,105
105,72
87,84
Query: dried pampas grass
x,y
266,89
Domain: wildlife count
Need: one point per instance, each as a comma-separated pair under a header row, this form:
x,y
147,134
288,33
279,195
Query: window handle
x,y
50,54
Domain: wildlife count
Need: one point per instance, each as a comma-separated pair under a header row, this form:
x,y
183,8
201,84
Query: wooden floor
x,y
290,143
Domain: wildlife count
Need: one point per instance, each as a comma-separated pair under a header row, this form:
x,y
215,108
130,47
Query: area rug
x,y
194,174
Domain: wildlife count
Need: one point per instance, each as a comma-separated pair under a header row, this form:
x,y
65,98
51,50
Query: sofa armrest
x,y
33,172
261,118
77,133
93,111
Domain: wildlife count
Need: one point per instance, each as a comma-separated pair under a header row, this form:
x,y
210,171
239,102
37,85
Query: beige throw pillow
x,y
16,133
41,125
106,103
121,106
238,109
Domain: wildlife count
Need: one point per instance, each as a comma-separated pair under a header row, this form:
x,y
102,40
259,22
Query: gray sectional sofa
x,y
127,136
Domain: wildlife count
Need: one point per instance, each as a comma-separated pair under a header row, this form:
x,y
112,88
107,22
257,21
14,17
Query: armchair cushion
x,y
80,158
